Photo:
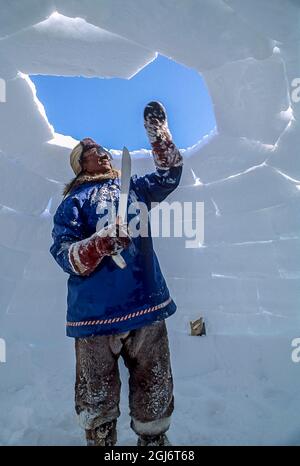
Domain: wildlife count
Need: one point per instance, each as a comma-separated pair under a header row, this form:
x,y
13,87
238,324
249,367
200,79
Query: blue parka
x,y
113,300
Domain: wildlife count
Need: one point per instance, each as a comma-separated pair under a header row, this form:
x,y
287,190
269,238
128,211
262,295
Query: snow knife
x,y
123,199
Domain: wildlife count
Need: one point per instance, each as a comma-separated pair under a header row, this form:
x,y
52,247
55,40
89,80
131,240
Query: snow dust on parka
x,y
113,300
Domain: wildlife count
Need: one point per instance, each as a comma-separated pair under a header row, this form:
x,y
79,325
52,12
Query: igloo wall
x,y
245,278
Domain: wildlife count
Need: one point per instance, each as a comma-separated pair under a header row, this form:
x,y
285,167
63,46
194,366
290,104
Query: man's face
x,y
96,160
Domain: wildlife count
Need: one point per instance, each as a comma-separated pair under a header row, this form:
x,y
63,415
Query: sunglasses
x,y
100,151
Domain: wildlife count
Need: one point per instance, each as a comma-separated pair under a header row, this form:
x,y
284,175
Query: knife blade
x,y
125,182
123,199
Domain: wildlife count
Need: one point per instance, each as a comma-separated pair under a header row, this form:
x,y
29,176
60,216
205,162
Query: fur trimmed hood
x,y
85,178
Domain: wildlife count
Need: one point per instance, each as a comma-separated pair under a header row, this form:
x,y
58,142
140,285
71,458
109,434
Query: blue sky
x,y
111,110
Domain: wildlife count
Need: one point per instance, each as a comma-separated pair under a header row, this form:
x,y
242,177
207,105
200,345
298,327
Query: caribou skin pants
x,y
146,354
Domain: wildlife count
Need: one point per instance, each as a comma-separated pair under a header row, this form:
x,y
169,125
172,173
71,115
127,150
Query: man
x,y
114,311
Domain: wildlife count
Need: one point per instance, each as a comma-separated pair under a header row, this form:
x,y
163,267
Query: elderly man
x,y
114,311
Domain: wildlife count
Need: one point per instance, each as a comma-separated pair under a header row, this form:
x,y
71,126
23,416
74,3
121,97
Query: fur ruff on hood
x,y
86,178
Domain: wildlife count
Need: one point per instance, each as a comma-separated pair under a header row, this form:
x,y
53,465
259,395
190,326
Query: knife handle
x,y
117,258
119,261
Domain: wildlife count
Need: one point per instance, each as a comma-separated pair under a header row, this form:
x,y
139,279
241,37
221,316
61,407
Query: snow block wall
x,y
244,280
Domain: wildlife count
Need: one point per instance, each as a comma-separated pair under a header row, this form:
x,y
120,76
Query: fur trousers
x,y
145,352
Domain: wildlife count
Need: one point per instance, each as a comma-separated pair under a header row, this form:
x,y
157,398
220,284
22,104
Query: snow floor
x,y
232,390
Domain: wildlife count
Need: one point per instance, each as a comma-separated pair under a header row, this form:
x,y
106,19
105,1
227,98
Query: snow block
x,y
225,156
286,155
49,161
199,296
12,263
278,19
16,15
24,232
49,272
22,190
21,121
281,221
248,97
90,51
229,36
288,257
280,296
247,191
29,300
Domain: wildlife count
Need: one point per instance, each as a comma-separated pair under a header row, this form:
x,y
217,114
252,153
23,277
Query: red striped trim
x,y
120,319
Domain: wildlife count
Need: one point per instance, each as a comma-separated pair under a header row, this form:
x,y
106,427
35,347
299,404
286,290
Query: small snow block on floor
x,y
198,327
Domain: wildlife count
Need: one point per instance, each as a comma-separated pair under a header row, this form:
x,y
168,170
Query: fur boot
x,y
160,440
103,436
